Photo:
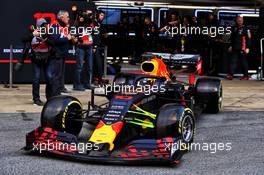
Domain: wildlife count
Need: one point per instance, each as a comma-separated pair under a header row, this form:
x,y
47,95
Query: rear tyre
x,y
209,91
175,121
215,104
59,114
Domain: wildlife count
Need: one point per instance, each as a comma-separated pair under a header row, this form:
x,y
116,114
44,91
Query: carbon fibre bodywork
x,y
137,152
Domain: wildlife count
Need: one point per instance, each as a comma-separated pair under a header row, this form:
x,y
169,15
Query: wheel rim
x,y
76,125
187,128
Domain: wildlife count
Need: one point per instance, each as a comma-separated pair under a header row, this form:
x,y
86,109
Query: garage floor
x,y
238,96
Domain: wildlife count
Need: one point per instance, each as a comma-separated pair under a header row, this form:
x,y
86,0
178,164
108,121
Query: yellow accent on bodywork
x,y
104,134
159,68
155,65
143,112
143,123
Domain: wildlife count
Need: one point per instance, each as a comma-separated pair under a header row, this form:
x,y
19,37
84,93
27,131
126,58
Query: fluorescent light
x,y
250,15
130,2
123,2
238,8
106,4
168,5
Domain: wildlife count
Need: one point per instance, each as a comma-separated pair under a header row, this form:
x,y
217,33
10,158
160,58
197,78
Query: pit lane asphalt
x,y
244,130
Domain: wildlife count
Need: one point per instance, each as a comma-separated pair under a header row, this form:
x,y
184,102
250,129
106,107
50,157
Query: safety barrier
x,y
13,51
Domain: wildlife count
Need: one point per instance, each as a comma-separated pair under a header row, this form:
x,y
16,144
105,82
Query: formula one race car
x,y
149,117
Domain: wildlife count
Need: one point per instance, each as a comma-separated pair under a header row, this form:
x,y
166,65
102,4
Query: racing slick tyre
x,y
209,91
58,113
175,121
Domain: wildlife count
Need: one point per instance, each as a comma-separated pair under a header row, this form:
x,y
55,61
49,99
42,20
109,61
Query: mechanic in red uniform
x,y
37,47
240,44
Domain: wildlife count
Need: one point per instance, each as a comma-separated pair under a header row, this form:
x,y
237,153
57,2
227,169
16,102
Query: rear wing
x,y
184,63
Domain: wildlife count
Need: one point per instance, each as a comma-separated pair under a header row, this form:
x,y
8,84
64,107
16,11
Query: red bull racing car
x,y
153,121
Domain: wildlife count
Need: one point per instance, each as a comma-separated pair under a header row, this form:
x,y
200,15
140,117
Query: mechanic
x,y
186,39
122,38
99,46
84,51
194,21
174,41
40,47
137,27
212,55
240,44
61,40
150,35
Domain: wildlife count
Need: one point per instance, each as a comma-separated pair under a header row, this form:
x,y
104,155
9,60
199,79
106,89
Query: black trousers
x,y
55,77
62,79
37,67
99,62
238,58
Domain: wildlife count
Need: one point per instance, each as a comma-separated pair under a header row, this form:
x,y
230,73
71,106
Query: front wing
x,y
138,152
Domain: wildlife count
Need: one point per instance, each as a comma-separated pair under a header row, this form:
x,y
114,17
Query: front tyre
x,y
59,114
175,121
